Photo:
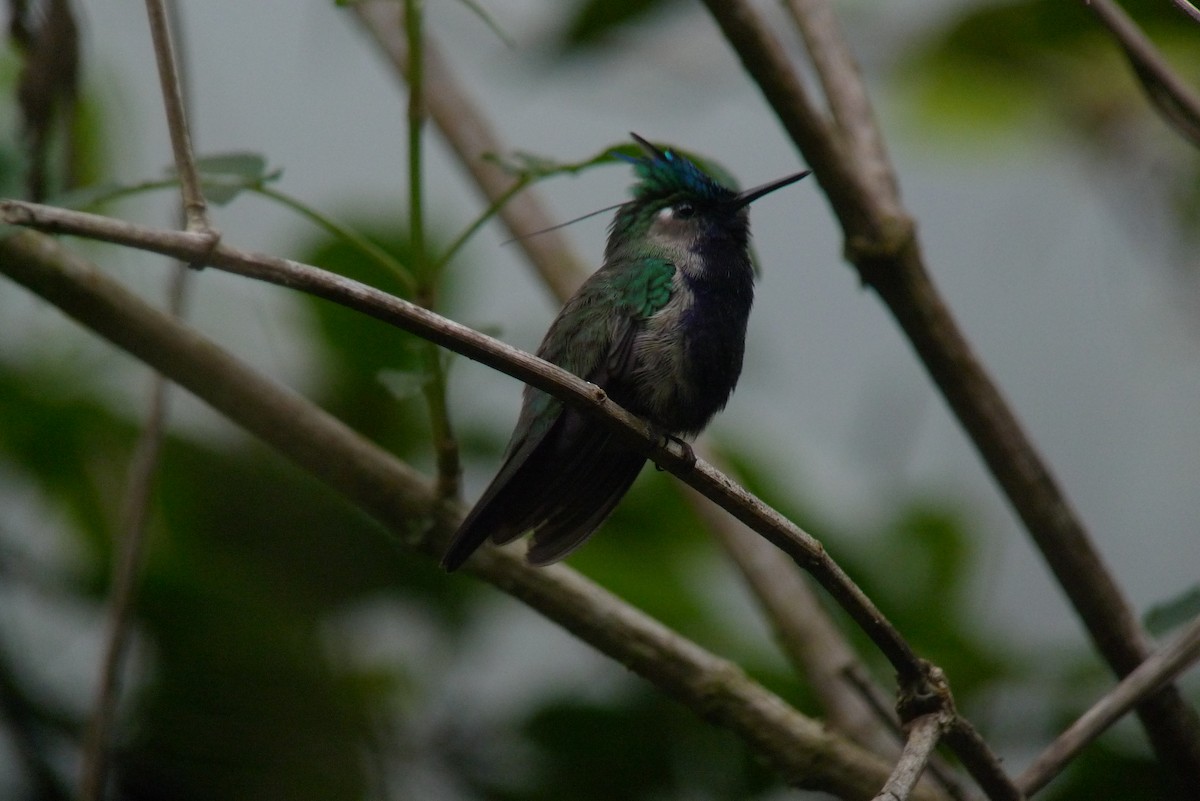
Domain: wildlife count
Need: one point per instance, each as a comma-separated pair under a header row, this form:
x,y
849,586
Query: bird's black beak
x,y
751,195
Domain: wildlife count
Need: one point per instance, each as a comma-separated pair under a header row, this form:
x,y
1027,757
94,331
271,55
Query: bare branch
x,y
1188,8
1175,101
852,702
805,632
1156,671
846,95
883,245
858,678
195,209
143,470
978,758
923,734
801,750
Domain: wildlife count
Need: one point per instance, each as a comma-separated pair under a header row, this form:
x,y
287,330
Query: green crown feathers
x,y
663,173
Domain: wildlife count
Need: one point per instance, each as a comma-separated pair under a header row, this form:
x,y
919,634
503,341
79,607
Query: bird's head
x,y
678,205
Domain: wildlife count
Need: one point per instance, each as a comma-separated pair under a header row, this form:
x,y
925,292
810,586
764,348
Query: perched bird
x,y
661,327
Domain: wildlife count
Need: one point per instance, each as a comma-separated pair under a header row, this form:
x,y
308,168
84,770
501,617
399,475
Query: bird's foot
x,y
689,456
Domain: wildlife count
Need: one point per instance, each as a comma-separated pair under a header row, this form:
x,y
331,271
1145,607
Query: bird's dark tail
x,y
562,488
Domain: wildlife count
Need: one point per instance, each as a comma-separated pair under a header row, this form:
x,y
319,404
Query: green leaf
x,y
597,20
225,175
251,167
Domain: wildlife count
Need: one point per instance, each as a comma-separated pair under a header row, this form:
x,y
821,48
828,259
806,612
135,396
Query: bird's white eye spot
x,y
680,211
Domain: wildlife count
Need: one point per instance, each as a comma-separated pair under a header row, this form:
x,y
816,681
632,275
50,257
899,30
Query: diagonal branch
x,y
846,95
143,467
882,244
1187,8
1159,669
1175,101
807,635
195,209
923,734
801,750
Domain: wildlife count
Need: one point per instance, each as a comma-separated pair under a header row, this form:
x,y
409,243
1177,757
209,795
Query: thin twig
x,y
1175,101
143,467
846,95
811,640
195,209
1159,669
883,246
445,446
980,761
356,239
415,118
471,138
923,734
801,750
126,567
856,676
1188,8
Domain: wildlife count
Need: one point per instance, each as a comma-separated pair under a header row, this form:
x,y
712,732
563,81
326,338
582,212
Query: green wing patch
x,y
647,288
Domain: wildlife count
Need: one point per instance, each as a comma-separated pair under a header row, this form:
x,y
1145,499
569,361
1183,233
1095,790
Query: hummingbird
x,y
660,327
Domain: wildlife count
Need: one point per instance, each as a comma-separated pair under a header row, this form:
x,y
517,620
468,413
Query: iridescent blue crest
x,y
664,173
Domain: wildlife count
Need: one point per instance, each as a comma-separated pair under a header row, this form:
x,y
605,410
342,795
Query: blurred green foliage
x,y
595,22
993,74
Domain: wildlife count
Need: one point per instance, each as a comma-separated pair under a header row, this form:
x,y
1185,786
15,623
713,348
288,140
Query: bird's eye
x,y
683,211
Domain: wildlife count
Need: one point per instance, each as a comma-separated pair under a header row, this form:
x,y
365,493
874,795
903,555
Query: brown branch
x,y
143,467
195,209
846,95
807,635
966,741
881,706
126,566
1188,8
923,734
883,246
852,702
1159,669
1174,100
798,748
